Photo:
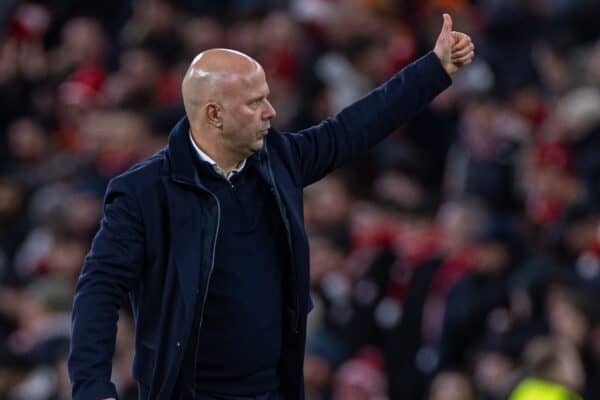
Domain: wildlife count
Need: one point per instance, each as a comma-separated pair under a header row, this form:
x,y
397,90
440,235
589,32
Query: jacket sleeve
x,y
360,126
109,272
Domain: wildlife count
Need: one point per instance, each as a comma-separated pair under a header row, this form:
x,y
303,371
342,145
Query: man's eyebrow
x,y
259,97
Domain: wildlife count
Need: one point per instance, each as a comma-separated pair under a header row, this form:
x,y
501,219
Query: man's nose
x,y
270,112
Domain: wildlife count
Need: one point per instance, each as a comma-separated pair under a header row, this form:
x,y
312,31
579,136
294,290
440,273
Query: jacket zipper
x,y
212,266
289,239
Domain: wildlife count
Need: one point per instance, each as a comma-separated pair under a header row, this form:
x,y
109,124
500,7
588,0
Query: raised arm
x,y
326,146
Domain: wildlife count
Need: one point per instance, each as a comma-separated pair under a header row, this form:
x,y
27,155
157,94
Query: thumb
x,y
447,27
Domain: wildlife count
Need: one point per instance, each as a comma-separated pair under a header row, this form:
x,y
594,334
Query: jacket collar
x,y
181,157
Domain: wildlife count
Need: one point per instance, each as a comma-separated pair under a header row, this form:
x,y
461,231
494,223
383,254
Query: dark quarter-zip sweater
x,y
237,348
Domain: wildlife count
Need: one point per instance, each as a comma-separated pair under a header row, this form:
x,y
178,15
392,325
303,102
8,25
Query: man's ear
x,y
214,114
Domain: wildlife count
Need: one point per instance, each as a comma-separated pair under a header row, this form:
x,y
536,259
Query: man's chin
x,y
257,145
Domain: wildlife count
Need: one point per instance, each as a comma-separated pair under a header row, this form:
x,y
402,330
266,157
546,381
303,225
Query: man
x,y
207,235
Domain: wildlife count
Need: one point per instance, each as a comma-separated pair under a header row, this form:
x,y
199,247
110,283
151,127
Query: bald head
x,y
212,75
225,94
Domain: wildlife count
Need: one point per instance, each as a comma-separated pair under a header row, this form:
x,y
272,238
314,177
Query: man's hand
x,y
454,49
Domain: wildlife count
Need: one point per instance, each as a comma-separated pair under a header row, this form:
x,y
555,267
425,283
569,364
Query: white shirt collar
x,y
213,163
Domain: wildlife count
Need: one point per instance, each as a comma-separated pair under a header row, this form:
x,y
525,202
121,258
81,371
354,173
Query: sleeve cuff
x,y
434,71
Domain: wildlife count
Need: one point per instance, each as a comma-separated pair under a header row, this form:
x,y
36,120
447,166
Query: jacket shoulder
x,y
281,143
141,175
282,147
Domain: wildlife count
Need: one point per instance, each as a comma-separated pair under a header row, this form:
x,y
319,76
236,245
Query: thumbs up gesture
x,y
454,49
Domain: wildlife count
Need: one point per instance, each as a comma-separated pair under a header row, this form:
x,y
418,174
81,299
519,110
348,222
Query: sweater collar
x,y
206,158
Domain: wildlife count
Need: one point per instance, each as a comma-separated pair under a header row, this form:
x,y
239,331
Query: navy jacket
x,y
160,225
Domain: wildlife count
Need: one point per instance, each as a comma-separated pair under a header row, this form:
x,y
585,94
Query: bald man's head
x,y
225,94
212,75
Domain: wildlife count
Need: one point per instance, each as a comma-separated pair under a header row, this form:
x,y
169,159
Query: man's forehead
x,y
254,79
250,83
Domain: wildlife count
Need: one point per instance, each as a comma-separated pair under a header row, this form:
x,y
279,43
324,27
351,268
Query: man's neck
x,y
227,164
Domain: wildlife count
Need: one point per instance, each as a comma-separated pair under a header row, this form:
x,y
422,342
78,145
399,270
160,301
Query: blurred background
x,y
459,260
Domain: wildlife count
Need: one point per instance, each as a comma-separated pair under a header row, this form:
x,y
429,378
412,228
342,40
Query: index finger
x,y
461,40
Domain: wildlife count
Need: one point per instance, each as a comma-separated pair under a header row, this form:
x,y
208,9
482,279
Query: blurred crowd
x,y
458,260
